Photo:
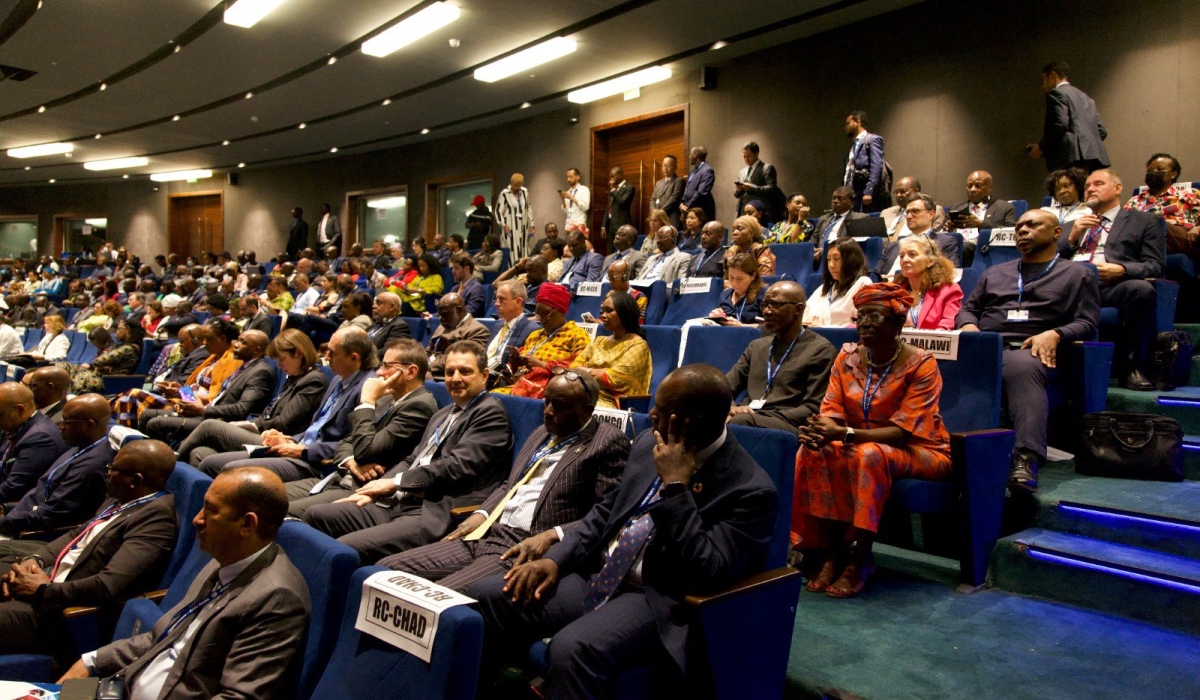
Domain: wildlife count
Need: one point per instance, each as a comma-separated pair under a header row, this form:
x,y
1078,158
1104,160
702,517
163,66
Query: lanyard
x,y
72,458
868,392
106,514
773,369
915,311
547,340
1064,211
192,609
437,434
705,258
548,448
1021,279
646,500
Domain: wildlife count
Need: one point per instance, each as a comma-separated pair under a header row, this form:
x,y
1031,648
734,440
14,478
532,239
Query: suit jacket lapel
x,y
567,463
109,529
1118,227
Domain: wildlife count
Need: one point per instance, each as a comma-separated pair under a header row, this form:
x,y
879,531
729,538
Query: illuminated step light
x,y
96,223
181,175
616,86
524,60
402,34
247,13
117,163
45,149
387,202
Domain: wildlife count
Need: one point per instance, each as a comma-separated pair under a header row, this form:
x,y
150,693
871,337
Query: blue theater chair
x,y
794,259
664,356
440,394
581,304
656,304
1020,206
683,307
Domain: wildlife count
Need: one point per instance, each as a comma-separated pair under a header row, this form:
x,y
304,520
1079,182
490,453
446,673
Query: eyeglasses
x,y
871,316
570,375
773,304
395,364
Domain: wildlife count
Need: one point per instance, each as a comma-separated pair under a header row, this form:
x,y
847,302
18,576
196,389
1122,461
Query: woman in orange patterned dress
x,y
879,421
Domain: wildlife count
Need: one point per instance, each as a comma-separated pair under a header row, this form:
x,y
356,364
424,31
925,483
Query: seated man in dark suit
x,y
246,391
469,288
832,224
693,515
391,414
623,249
979,211
352,359
258,319
456,324
465,450
239,643
49,386
710,262
1127,247
30,445
73,487
786,373
920,214
565,467
510,307
582,266
1036,303
389,324
120,553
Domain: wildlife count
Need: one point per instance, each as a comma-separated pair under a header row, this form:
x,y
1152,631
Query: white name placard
x,y
695,285
613,416
403,610
943,345
958,274
591,328
588,289
1004,237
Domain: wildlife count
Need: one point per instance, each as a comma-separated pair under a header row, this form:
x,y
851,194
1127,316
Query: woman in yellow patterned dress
x,y
620,362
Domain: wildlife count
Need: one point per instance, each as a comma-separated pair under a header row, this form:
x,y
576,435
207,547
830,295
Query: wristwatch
x,y
849,437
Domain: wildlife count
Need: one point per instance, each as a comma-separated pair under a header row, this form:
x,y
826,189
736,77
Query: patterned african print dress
x,y
626,363
557,349
851,483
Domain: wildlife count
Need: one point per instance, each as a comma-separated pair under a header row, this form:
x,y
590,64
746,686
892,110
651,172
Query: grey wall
x,y
951,86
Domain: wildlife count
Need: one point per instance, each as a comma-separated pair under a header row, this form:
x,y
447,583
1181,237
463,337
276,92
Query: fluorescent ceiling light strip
x,y
616,86
181,175
1129,517
524,60
45,149
97,223
1114,571
117,163
402,34
387,202
247,13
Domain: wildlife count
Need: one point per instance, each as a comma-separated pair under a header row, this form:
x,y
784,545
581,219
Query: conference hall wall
x,y
952,86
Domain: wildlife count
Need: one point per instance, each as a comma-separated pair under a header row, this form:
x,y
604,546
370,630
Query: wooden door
x,y
637,146
196,224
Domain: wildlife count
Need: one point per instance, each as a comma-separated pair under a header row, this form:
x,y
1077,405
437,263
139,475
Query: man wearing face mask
x,y
1178,206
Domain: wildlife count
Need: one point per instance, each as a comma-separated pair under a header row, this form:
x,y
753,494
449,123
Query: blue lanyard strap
x,y
192,609
705,258
109,513
868,392
437,434
72,458
548,448
1021,278
773,369
646,500
915,311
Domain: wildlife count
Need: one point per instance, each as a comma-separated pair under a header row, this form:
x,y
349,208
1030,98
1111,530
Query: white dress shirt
x,y
577,211
68,561
848,178
305,300
322,228
10,341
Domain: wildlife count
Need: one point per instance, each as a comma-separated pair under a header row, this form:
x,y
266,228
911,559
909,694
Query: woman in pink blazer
x,y
929,276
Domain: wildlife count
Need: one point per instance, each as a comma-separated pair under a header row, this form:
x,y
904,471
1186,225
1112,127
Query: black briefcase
x,y
1124,445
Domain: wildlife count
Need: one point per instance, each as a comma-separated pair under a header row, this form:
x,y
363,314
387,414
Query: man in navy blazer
x,y
1127,247
865,171
693,515
352,358
700,181
510,308
469,288
74,486
1072,133
583,265
31,442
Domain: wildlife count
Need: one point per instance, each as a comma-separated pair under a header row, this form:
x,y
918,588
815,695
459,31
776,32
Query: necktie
x,y
1092,240
479,532
436,440
630,542
497,345
104,517
322,417
830,227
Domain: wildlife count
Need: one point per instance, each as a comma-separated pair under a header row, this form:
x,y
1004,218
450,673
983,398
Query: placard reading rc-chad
x,y
403,610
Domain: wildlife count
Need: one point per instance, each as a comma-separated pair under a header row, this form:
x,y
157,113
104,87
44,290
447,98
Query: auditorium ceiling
x,y
172,81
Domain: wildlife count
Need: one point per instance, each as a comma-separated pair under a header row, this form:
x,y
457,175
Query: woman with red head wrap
x,y
879,421
555,344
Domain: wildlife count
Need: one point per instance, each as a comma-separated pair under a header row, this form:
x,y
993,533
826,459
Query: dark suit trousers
x,y
371,530
288,468
160,424
458,563
1025,401
758,420
1135,301
588,652
300,500
214,437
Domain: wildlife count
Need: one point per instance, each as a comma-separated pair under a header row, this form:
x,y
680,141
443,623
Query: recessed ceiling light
x,y
616,86
103,86
247,13
524,60
526,105
405,32
386,103
241,165
387,202
302,126
181,175
249,95
177,49
334,149
52,181
175,118
225,142
424,131
45,149
28,167
98,136
41,109
125,176
117,163
332,60
718,45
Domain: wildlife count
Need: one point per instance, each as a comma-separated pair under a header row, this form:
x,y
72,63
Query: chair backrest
x,y
489,293
987,254
70,314
33,336
492,324
664,353
656,301
327,566
431,326
581,304
524,417
969,278
775,452
872,249
416,326
1020,206
1047,201
150,351
682,307
276,323
188,485
440,394
794,259
201,317
505,259
718,346
363,666
79,346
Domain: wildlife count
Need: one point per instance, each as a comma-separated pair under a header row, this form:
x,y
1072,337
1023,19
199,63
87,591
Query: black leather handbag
x,y
1124,445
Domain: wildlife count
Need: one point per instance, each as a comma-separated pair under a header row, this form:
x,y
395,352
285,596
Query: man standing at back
x,y
576,200
668,192
757,181
865,172
620,199
700,181
1072,135
298,233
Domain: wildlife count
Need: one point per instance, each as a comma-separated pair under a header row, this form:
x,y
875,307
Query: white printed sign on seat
x,y
1004,237
591,328
943,345
696,285
613,416
404,610
588,289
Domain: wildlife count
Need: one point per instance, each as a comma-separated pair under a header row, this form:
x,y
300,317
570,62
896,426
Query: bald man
x,y
456,325
623,249
120,553
250,633
710,262
49,386
73,487
978,212
31,442
388,324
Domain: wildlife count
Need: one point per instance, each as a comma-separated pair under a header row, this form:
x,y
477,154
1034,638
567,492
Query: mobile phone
x,y
186,393
959,214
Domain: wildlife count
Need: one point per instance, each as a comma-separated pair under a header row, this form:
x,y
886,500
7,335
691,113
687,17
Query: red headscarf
x,y
886,294
556,296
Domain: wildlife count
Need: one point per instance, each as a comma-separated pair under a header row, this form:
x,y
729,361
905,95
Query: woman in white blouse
x,y
55,344
844,274
1066,189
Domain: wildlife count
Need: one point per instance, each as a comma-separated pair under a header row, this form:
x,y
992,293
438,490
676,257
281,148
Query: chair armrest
x,y
464,511
639,403
79,611
746,586
44,535
156,596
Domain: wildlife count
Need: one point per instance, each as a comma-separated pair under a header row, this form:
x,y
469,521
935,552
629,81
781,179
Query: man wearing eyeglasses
x,y
118,554
510,308
784,374
392,412
389,325
920,214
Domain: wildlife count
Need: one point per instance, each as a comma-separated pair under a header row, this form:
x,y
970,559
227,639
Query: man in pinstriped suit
x,y
565,467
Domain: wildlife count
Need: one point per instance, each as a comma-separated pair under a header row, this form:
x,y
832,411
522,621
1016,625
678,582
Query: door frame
x,y
432,206
350,208
198,193
37,227
58,235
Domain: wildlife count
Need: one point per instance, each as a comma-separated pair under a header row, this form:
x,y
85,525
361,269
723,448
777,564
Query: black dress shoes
x,y
1137,381
1022,476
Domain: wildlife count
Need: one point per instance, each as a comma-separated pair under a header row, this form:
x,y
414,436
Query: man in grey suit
x,y
392,412
669,263
465,450
668,192
239,626
623,250
757,181
832,224
565,467
259,320
1072,133
329,229
620,199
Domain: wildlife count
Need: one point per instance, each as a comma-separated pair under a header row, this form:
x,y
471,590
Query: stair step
x,y
1182,404
1118,579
